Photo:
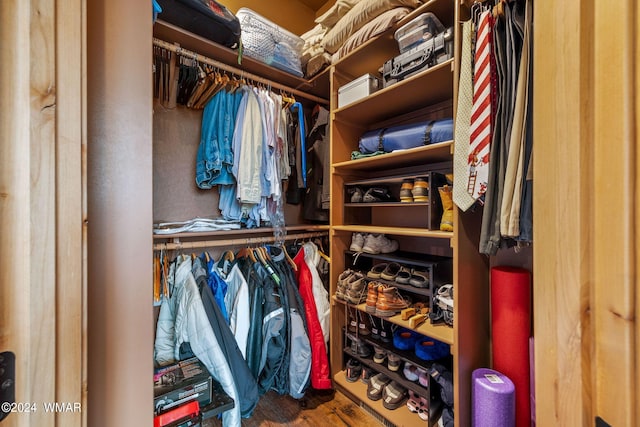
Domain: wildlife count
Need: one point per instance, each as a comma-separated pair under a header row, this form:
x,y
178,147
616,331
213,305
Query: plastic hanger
x,y
290,261
199,88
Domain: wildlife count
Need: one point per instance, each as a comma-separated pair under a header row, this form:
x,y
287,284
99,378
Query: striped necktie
x,y
480,127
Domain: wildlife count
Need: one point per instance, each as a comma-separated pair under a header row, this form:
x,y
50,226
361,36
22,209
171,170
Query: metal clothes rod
x,y
234,242
238,72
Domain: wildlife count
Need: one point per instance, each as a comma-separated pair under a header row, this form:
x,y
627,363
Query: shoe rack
x,y
427,95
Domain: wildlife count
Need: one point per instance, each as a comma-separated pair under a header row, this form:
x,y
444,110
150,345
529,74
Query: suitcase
x,y
206,18
434,51
406,136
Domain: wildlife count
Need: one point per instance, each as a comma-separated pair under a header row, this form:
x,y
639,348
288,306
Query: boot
x,y
342,284
352,319
355,291
420,190
372,297
386,332
364,324
375,327
406,196
390,302
446,223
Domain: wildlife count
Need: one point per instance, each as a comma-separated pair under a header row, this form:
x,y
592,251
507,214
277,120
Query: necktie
x,y
461,197
480,126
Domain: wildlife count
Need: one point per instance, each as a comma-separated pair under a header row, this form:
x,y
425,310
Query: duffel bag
x,y
406,136
206,18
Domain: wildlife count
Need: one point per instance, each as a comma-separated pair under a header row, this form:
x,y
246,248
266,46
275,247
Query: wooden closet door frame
x,y
42,205
585,212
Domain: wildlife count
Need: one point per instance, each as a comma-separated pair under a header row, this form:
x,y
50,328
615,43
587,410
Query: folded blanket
x,y
314,36
337,11
363,12
377,26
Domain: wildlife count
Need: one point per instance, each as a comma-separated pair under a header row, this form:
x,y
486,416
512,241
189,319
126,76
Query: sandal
x,y
377,270
391,271
403,276
419,279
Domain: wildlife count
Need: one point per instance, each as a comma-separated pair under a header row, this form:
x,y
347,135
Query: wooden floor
x,y
316,409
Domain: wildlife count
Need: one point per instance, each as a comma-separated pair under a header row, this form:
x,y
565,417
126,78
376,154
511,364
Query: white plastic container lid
x,y
428,21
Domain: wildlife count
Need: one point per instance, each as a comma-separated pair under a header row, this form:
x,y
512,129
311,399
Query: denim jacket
x,y
215,157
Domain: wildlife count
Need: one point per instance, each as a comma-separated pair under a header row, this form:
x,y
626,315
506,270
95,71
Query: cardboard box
x,y
179,383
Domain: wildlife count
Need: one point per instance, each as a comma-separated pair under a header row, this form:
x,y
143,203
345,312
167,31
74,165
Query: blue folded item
x,y
431,349
406,136
405,339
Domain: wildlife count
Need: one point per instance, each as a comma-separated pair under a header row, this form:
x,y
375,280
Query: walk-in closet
x,y
312,212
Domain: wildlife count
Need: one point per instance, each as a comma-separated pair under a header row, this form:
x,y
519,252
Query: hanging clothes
x,y
516,173
236,300
215,158
317,196
245,383
183,319
320,294
248,140
320,372
254,338
481,124
507,214
295,373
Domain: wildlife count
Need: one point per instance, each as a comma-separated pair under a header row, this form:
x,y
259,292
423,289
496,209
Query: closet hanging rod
x,y
234,242
238,72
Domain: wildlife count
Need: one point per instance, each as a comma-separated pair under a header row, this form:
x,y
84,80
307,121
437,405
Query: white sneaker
x,y
376,244
357,240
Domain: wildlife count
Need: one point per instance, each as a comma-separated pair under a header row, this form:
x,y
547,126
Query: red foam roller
x,y
510,332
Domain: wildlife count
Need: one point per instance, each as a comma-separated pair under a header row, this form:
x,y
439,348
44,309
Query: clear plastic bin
x,y
418,30
270,43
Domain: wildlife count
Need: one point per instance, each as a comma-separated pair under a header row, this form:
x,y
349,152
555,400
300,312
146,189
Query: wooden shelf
x,y
401,417
402,257
239,232
440,266
386,179
408,356
428,87
440,332
373,53
386,204
318,86
397,231
439,152
382,368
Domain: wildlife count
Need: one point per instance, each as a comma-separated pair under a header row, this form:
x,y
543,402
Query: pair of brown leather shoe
x,y
384,301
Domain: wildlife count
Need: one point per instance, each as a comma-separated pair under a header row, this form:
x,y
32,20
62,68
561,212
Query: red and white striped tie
x,y
481,120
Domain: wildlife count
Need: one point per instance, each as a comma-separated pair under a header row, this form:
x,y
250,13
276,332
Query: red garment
x,y
320,373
